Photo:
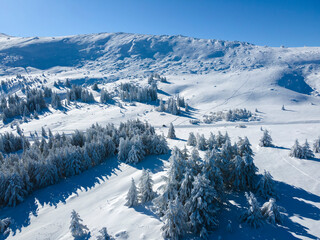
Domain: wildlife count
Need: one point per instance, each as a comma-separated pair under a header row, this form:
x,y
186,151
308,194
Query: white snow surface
x,y
212,75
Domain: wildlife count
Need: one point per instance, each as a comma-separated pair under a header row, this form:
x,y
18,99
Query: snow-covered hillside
x,y
280,86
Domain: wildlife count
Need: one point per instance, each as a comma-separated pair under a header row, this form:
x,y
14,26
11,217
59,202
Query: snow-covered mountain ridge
x,y
121,55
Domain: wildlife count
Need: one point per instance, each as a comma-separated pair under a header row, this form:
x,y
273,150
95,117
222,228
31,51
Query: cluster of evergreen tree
x,y
303,152
14,105
78,93
194,187
232,115
255,216
142,194
11,143
105,96
156,77
80,231
59,156
173,105
134,92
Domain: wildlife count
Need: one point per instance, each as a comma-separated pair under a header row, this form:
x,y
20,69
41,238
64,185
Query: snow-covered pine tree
x,y
124,148
266,186
306,151
78,230
15,190
202,206
201,142
316,145
212,142
171,132
146,192
252,215
266,140
104,235
296,150
133,156
213,173
192,141
132,195
271,212
244,147
175,221
161,107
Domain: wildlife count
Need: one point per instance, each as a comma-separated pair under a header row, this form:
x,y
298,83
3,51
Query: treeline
x,y
231,115
134,92
59,156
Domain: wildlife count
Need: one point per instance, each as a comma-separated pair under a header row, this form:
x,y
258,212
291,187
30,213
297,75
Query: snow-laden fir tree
x,y
212,142
213,173
133,156
175,221
201,142
161,107
266,186
242,173
15,191
244,147
132,195
104,235
296,150
171,132
4,224
271,212
192,141
172,181
124,148
202,206
146,192
252,215
306,151
316,145
266,140
78,230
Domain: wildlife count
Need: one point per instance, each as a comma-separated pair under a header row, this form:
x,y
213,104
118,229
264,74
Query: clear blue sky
x,y
262,22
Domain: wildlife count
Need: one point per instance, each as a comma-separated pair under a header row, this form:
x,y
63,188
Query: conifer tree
x,y
266,140
133,156
146,192
132,196
202,206
316,145
306,151
252,215
104,235
78,230
296,150
266,186
171,132
192,141
201,142
175,225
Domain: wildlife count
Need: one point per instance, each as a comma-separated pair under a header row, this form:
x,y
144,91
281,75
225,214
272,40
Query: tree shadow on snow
x,y
155,163
293,199
57,193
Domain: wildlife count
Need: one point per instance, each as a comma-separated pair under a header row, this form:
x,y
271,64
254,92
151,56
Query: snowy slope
x,y
212,75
